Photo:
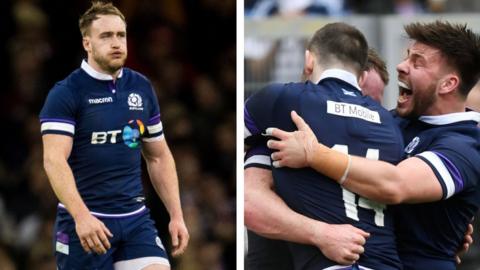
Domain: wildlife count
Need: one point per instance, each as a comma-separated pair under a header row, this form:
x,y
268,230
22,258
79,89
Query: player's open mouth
x,y
404,92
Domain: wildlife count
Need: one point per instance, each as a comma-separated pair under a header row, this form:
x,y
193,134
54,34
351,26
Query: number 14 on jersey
x,y
349,198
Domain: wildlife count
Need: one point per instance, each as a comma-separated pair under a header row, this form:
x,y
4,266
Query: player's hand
x,y
341,243
180,236
294,149
93,234
467,241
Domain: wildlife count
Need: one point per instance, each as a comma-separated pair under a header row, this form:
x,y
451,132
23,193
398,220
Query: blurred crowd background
x,y
187,48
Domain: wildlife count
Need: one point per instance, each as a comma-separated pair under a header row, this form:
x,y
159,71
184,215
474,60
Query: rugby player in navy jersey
x,y
264,253
96,124
335,58
438,182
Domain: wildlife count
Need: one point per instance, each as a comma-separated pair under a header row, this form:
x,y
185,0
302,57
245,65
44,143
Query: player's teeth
x,y
403,85
403,97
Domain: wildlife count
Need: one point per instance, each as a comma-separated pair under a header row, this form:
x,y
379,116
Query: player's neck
x,y
318,70
446,106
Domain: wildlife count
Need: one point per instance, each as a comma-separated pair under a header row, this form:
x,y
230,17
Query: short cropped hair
x,y
460,46
340,42
97,8
376,62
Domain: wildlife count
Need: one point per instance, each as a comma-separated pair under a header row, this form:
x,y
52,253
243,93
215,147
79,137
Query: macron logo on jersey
x,y
352,110
100,100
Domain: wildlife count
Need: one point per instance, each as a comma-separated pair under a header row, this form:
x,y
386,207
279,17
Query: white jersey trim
x,y
154,139
442,170
155,128
258,159
450,118
140,263
98,75
58,126
97,214
246,132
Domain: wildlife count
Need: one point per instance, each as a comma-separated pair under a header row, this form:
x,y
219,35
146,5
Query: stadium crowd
x,y
187,49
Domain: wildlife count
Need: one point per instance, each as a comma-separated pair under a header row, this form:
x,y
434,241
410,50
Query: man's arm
x,y
161,168
268,215
411,181
91,231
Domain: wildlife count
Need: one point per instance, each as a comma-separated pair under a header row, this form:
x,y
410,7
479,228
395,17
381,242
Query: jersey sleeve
x,y
58,113
453,162
154,124
258,112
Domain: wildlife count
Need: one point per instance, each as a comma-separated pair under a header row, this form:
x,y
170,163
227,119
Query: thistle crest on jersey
x,y
135,102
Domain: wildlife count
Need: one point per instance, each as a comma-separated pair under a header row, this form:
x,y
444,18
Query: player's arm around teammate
x,y
411,181
92,233
268,215
161,168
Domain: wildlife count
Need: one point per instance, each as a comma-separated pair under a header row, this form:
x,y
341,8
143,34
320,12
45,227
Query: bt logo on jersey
x,y
101,137
131,134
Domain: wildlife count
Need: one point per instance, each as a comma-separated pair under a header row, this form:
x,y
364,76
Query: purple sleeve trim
x,y
154,120
454,172
42,120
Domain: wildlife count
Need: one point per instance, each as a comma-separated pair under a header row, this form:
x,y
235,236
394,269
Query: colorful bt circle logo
x,y
132,133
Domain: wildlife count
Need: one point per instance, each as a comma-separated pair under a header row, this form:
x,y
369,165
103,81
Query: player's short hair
x,y
340,42
376,62
460,46
97,8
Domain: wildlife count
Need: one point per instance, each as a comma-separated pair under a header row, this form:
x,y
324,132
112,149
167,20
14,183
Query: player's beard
x,y
111,65
422,101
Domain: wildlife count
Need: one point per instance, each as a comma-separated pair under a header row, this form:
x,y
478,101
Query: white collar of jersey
x,y
450,118
98,75
342,75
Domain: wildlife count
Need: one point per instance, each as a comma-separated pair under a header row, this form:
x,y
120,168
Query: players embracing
x,y
437,182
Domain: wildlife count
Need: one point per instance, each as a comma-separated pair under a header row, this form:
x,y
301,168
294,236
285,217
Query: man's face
x,y
418,78
373,85
106,43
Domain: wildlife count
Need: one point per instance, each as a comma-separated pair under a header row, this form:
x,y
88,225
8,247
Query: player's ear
x,y
309,63
449,83
87,46
362,78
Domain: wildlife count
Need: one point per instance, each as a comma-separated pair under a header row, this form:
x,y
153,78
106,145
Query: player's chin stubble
x,y
111,65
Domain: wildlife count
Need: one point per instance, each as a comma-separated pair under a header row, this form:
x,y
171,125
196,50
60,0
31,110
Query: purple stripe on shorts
x,y
62,238
249,122
454,172
42,120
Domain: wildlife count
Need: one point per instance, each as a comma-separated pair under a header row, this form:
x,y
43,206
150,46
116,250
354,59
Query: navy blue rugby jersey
x,y
108,121
429,234
343,119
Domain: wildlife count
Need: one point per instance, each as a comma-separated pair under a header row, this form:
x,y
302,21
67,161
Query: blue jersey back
x,y
429,234
108,122
341,118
